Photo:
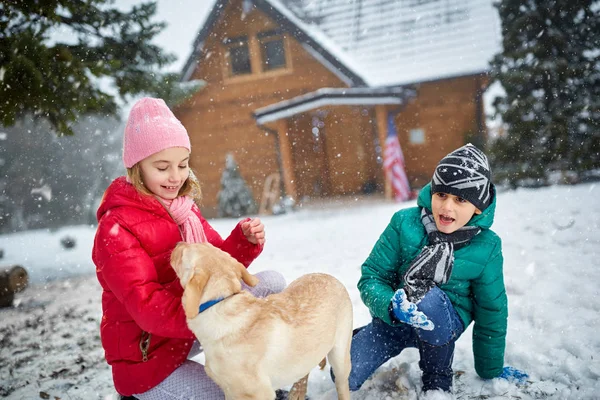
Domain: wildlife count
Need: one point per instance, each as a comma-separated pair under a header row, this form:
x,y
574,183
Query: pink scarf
x,y
189,224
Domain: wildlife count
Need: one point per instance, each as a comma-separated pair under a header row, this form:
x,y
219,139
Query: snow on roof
x,y
390,42
323,40
332,97
409,41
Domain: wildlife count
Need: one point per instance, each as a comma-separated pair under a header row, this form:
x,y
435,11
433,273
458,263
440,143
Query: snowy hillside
x,y
50,348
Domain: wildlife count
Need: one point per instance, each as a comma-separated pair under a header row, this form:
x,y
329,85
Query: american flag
x,y
393,163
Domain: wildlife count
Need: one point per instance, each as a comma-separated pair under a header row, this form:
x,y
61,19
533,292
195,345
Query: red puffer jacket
x,y
141,301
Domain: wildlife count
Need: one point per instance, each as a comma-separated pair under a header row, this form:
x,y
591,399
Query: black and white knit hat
x,y
465,173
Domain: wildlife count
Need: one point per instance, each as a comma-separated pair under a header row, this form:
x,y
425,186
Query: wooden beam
x,y
287,164
255,54
381,112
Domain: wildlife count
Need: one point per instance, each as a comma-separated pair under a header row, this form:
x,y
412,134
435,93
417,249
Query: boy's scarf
x,y
434,263
189,224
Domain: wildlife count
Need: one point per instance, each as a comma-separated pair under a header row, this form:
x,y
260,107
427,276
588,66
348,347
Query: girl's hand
x,y
254,230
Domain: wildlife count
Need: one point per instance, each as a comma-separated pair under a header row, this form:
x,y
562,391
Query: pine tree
x,y
56,57
550,71
235,198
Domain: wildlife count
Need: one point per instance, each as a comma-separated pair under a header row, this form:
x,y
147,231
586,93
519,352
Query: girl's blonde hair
x,y
191,186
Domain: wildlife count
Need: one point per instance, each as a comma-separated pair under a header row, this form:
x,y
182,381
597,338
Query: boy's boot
x,y
436,364
282,394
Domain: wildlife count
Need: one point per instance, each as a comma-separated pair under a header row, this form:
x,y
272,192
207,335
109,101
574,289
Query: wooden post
x,y
381,117
285,149
12,280
271,194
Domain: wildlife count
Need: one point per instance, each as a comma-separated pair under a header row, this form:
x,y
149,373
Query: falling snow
x,y
551,244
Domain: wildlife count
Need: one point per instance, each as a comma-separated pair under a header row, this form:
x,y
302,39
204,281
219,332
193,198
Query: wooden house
x,y
304,90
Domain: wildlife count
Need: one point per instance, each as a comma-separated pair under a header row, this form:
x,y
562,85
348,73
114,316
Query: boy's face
x,y
451,212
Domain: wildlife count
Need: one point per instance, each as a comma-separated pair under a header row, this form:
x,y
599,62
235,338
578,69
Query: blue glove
x,y
406,311
514,375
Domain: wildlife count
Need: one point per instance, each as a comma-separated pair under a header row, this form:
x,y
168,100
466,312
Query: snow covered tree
x,y
48,181
550,71
235,197
56,58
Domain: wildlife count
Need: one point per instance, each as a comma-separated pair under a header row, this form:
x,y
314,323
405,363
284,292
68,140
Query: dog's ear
x,y
193,293
181,262
177,259
246,276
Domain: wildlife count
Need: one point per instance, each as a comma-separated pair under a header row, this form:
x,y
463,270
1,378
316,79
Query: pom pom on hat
x,y
465,173
151,128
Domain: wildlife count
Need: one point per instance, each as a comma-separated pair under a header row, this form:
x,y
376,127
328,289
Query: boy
x,y
435,269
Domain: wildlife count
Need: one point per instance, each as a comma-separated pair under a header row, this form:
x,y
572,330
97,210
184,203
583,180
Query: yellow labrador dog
x,y
253,345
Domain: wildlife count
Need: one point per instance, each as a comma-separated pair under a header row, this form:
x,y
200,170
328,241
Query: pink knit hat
x,y
151,128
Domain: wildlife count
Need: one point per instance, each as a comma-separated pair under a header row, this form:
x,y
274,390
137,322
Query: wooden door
x,y
309,149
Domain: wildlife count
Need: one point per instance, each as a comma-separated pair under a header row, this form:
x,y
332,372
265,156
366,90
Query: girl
x,y
140,220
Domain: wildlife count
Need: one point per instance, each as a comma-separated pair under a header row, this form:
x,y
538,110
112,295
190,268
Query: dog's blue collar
x,y
209,304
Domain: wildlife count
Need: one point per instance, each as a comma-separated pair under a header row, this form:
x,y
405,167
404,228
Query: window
x,y
272,49
255,55
417,136
239,55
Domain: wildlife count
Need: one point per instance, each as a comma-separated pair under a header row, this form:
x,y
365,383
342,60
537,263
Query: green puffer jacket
x,y
476,285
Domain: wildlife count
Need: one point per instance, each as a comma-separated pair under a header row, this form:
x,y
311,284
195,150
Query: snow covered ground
x,y
50,347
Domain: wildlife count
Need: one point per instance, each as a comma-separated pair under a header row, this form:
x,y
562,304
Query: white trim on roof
x,y
300,104
288,112
191,67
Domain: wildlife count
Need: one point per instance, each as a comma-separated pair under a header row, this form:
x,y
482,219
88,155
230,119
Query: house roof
x,y
332,97
378,43
409,41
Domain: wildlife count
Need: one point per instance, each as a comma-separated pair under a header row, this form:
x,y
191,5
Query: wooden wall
x,y
351,149
219,117
447,112
339,159
311,166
